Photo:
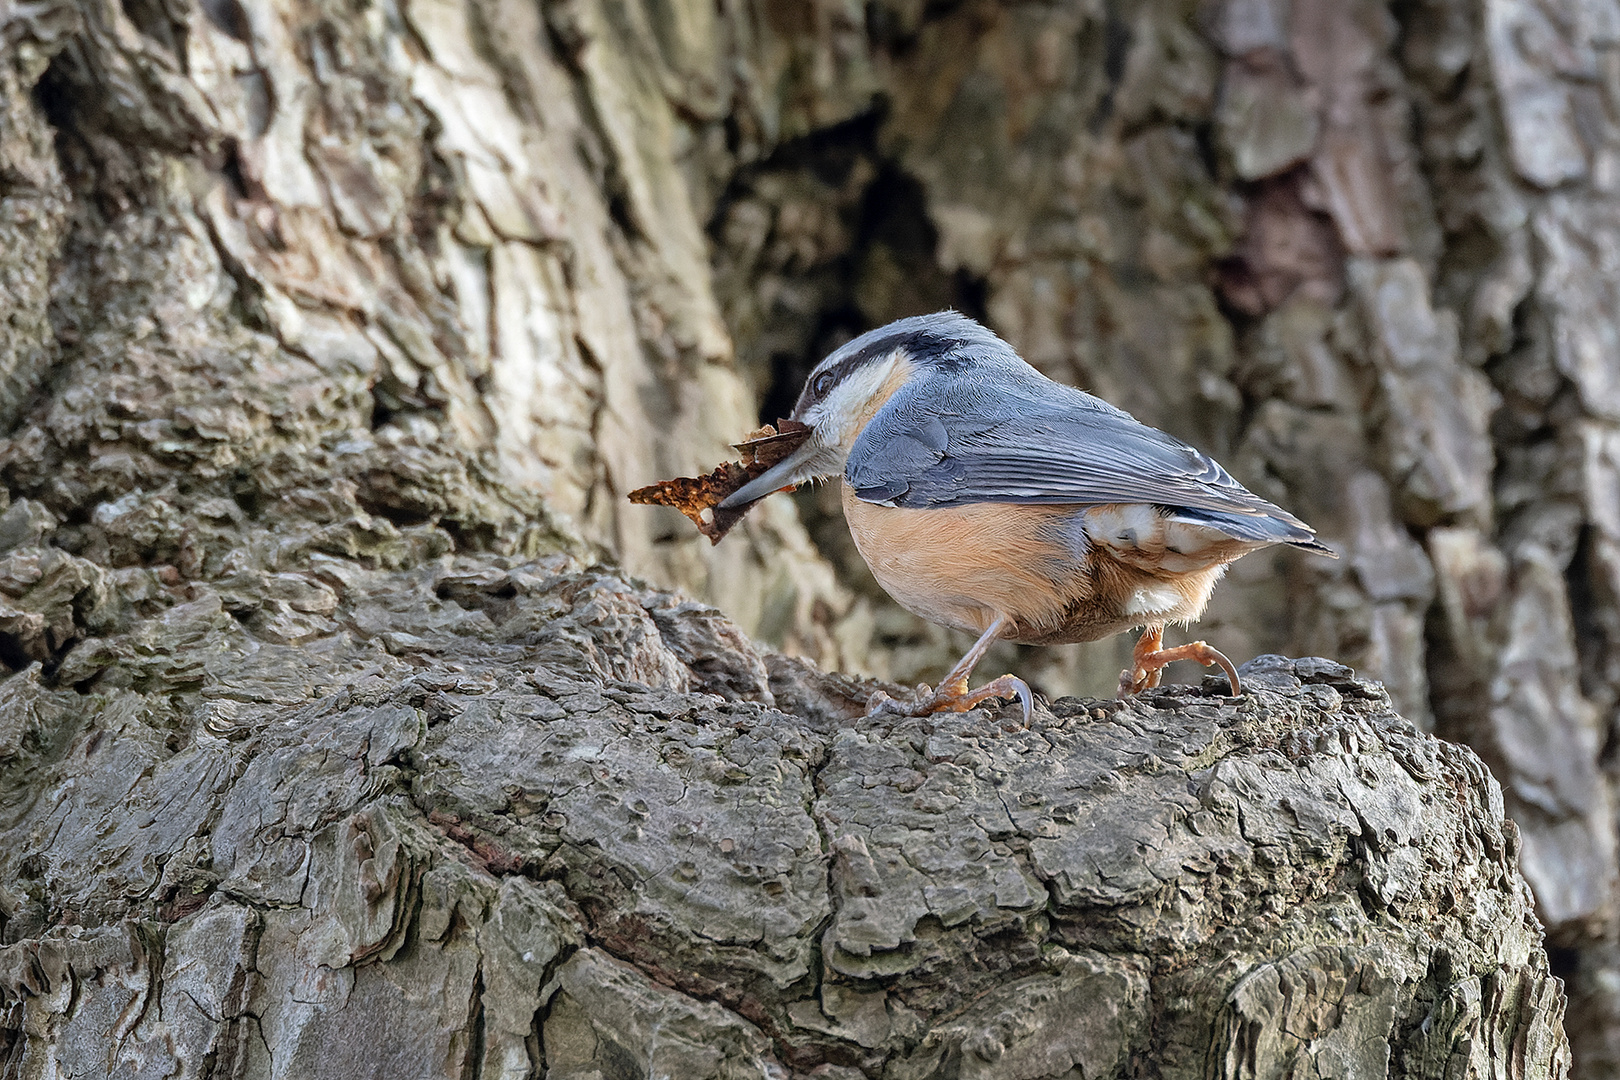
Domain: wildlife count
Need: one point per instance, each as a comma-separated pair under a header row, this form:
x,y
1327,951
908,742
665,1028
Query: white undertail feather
x,y
1153,599
1124,525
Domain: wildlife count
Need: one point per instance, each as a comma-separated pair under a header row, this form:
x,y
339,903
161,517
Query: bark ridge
x,y
500,817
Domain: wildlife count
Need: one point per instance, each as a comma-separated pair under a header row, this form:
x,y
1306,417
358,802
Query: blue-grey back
x,y
1002,432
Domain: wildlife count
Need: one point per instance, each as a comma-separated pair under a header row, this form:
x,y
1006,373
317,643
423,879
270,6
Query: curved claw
x,y
1218,658
1008,686
1148,660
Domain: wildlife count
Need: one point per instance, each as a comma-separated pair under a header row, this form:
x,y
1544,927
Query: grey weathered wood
x,y
526,818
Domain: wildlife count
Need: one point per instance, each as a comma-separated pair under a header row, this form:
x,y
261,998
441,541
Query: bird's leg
x,y
1149,658
953,695
1139,676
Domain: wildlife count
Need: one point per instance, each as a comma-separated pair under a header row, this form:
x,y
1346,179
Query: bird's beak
x,y
794,469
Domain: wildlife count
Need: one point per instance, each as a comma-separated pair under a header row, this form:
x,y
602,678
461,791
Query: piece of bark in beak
x,y
708,500
784,474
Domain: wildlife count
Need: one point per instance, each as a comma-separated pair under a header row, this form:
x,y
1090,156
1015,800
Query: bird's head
x,y
847,389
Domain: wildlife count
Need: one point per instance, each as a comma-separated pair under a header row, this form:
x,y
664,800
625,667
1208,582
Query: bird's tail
x,y
1280,527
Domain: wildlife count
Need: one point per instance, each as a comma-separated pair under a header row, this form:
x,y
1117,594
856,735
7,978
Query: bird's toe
x,y
881,704
1008,686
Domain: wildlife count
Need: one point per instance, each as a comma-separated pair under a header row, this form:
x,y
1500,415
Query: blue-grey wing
x,y
960,442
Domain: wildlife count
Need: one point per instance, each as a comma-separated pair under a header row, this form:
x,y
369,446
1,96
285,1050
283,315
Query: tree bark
x,y
333,333
494,817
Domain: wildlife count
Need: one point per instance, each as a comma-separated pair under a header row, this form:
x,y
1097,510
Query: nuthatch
x,y
988,498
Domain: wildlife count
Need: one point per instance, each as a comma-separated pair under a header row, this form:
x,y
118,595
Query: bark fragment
x,y
699,498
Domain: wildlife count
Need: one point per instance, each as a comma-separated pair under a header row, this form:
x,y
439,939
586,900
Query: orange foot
x,y
1148,659
954,696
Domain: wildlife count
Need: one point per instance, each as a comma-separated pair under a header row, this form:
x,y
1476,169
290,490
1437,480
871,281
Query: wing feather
x,y
1018,441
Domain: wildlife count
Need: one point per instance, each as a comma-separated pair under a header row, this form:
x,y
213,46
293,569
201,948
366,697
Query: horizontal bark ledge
x,y
503,818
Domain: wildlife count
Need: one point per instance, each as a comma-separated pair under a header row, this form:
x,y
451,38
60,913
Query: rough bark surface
x,y
507,818
301,298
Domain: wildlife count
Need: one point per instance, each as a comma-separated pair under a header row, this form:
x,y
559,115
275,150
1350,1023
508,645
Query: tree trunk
x,y
332,334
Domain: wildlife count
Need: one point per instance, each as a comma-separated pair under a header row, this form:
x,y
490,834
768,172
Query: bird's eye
x,y
821,384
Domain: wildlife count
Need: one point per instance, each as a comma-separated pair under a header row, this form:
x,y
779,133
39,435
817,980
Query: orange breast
x,y
965,566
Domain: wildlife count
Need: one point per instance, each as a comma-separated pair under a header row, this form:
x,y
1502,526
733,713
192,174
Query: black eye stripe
x,y
822,383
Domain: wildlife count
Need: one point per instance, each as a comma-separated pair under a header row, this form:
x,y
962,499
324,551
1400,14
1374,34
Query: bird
x,y
990,499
